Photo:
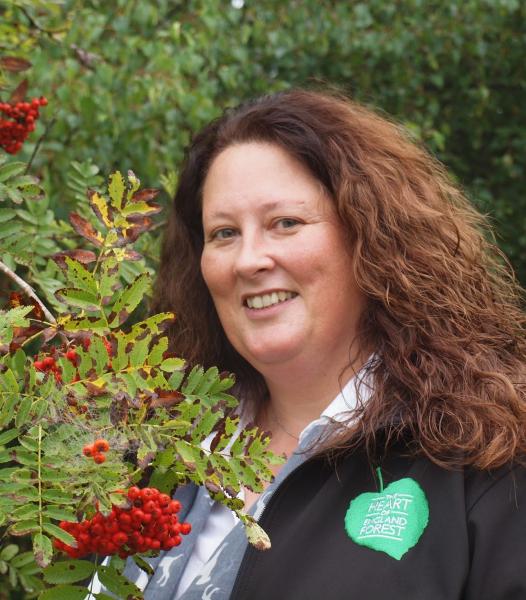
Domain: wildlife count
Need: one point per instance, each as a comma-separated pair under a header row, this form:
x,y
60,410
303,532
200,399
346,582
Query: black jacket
x,y
473,547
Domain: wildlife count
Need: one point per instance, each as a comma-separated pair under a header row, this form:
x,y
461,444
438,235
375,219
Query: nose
x,y
253,255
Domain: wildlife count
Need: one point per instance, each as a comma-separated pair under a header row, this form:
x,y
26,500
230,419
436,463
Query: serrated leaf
x,y
117,583
6,214
23,559
24,408
142,564
9,552
14,64
58,497
8,382
69,571
24,527
86,229
28,511
60,534
257,536
193,380
172,364
157,352
78,297
129,299
58,513
64,592
11,169
79,276
100,208
42,549
116,190
8,436
141,208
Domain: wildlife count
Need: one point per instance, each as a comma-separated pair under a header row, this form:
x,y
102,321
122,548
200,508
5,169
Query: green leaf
x,y
58,497
64,592
257,536
193,380
79,277
6,214
116,189
28,511
23,412
58,513
42,549
69,571
117,583
60,534
24,527
9,552
10,170
23,559
9,435
79,298
156,353
172,364
129,299
10,228
8,381
142,564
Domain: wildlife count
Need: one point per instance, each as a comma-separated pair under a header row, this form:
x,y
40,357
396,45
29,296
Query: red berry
x,y
88,450
48,361
39,365
71,354
186,528
99,458
101,445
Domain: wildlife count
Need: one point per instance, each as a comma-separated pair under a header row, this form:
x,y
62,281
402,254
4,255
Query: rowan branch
x,y
28,290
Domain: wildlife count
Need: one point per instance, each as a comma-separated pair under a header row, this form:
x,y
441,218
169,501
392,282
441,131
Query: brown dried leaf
x,y
145,195
14,64
85,229
19,93
83,256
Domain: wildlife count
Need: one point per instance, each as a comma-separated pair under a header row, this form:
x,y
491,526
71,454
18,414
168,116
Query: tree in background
x,y
131,80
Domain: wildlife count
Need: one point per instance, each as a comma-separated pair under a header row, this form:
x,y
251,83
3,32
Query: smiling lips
x,y
266,300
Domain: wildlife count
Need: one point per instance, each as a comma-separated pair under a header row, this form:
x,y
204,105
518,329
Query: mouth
x,y
265,300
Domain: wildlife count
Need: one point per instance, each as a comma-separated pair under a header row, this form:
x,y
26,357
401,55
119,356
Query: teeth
x,y
269,299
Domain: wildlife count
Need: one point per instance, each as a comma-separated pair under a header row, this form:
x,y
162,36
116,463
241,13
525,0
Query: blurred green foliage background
x,y
129,81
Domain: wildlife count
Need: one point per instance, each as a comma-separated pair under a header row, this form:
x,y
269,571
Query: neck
x,y
297,399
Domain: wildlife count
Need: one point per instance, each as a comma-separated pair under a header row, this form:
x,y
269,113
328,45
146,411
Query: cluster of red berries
x,y
20,122
49,363
150,523
97,450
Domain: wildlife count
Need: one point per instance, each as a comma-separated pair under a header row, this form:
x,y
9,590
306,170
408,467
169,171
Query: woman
x,y
328,261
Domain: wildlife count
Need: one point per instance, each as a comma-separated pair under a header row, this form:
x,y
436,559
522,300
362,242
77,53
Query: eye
x,y
287,223
223,234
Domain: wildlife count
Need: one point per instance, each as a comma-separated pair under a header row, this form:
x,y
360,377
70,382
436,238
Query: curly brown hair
x,y
444,312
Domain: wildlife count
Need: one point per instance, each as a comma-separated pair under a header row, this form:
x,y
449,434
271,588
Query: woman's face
x,y
275,259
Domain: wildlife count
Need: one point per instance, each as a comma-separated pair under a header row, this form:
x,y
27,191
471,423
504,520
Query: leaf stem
x,y
49,125
28,290
39,473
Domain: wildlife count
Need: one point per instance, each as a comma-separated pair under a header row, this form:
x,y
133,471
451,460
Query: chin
x,y
272,353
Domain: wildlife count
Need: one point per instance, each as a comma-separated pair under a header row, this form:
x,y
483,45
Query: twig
x,y
33,23
28,290
49,125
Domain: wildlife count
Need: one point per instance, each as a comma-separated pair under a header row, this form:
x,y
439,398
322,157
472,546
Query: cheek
x,y
215,275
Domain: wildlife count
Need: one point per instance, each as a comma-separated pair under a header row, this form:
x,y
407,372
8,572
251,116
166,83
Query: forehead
x,y
259,173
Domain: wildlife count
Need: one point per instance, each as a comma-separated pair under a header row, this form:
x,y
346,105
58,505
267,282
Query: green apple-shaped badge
x,y
391,520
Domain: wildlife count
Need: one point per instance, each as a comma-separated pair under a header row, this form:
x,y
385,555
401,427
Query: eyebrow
x,y
269,205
